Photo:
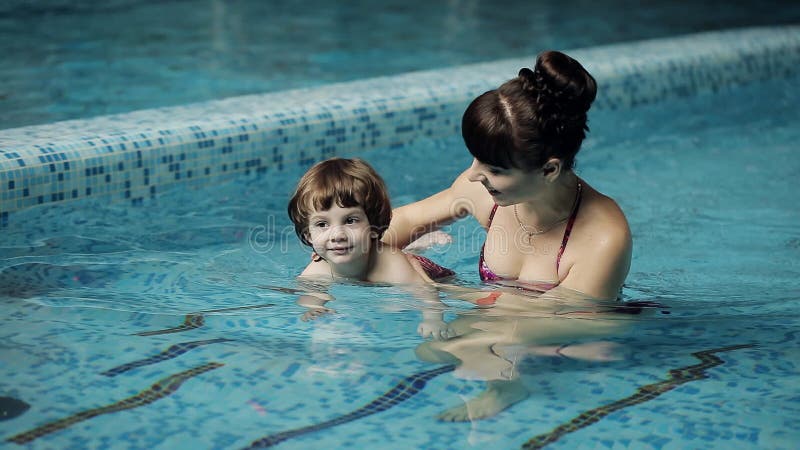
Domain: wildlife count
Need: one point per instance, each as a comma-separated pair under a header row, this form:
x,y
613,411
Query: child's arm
x,y
310,296
393,266
433,324
316,278
315,303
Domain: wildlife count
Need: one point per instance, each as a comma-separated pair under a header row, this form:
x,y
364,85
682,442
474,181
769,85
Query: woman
x,y
521,187
547,230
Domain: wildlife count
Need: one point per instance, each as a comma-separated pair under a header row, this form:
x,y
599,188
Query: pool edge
x,y
134,156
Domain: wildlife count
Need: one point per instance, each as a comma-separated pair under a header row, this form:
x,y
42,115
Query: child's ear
x,y
375,234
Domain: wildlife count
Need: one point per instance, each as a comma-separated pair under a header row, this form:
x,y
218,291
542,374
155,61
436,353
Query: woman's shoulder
x,y
598,256
602,210
603,221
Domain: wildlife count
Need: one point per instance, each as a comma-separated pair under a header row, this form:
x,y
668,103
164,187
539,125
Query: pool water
x,y
173,324
76,59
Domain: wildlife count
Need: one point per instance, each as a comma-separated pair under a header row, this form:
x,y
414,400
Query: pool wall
x,y
134,156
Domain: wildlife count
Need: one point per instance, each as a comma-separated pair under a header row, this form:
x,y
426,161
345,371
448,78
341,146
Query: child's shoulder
x,y
392,265
317,269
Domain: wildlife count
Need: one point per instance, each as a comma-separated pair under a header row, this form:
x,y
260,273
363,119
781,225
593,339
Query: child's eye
x,y
352,220
320,224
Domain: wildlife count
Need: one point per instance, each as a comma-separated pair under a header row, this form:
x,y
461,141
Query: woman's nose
x,y
475,172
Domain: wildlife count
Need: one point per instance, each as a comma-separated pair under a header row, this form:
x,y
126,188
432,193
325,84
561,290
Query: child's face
x,y
340,235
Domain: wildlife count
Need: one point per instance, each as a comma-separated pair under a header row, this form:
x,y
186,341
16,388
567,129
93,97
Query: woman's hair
x,y
538,115
349,183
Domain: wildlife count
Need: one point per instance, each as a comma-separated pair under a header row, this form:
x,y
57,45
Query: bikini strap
x,y
491,216
570,223
481,262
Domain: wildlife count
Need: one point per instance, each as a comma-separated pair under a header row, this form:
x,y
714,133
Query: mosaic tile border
x,y
402,391
134,156
677,377
161,389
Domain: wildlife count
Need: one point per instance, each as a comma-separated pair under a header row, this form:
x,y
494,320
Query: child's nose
x,y
338,234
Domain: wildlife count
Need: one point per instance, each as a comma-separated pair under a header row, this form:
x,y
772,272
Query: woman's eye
x,y
495,171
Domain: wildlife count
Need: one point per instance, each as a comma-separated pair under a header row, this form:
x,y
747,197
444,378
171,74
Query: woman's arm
x,y
411,221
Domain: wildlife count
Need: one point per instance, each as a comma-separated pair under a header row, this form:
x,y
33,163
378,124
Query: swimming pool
x,y
152,326
76,59
166,319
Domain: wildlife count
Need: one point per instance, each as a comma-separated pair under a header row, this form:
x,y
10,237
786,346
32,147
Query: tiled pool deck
x,y
133,156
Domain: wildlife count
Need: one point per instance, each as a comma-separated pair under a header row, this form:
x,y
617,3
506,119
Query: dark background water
x,y
74,59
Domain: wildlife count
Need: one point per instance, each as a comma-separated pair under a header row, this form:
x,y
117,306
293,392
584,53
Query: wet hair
x,y
349,183
538,115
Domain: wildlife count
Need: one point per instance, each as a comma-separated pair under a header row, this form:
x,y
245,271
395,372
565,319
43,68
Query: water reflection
x,y
491,343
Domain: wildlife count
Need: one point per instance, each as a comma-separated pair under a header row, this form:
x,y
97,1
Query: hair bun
x,y
562,91
563,80
528,79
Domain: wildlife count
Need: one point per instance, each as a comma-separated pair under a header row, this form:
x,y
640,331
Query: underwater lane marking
x,y
235,308
676,378
172,352
405,389
191,322
196,320
157,391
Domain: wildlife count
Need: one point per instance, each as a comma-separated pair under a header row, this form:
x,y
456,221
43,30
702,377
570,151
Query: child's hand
x,y
313,313
435,328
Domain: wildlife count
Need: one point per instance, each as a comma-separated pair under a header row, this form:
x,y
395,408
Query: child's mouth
x,y
341,250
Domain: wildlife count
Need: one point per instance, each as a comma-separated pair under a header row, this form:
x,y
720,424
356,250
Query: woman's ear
x,y
552,169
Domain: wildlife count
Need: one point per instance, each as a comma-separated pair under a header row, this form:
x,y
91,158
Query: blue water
x,y
708,184
76,59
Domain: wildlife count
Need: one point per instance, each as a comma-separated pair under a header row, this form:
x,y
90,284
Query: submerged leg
x,y
499,395
586,351
474,354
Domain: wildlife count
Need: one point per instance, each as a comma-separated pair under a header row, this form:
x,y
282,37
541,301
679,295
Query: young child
x,y
341,209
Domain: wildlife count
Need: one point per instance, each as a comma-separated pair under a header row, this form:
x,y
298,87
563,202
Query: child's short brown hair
x,y
348,182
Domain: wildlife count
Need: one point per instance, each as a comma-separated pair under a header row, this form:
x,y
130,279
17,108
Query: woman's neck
x,y
553,205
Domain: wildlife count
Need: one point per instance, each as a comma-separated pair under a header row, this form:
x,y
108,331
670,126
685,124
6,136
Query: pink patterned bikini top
x,y
487,274
435,271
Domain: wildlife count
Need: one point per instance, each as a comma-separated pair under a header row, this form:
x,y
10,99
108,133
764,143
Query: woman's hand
x,y
461,199
427,241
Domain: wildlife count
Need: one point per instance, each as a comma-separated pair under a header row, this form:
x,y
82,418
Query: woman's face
x,y
507,186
